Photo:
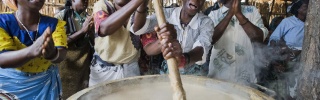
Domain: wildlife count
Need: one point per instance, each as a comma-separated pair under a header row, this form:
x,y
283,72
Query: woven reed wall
x,y
263,5
49,6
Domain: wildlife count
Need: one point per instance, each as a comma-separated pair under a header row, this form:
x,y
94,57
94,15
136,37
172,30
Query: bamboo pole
x,y
174,75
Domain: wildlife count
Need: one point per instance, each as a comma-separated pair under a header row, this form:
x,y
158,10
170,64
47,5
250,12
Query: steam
x,y
264,54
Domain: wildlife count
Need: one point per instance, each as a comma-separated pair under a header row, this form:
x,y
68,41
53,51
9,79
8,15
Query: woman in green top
x,y
74,69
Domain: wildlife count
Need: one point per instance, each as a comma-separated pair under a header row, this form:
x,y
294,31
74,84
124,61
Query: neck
x,y
301,17
28,18
185,17
78,11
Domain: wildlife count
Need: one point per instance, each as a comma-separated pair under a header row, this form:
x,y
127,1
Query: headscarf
x,y
11,4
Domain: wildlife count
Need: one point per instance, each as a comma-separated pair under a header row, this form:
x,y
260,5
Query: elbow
x,y
257,38
104,31
150,51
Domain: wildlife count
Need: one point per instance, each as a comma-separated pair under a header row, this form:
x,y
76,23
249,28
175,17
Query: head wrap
x,y
11,4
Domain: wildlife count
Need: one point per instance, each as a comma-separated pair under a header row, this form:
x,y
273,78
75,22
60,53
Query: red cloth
x,y
148,38
98,18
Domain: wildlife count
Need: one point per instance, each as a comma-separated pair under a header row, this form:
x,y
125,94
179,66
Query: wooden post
x,y
309,84
174,75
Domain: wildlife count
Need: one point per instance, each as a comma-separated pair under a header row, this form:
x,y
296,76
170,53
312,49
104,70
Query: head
x,y
79,5
192,7
300,8
31,5
120,3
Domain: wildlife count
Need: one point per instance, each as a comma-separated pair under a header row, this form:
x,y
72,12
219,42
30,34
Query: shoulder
x,y
203,17
204,21
49,19
52,22
249,9
5,18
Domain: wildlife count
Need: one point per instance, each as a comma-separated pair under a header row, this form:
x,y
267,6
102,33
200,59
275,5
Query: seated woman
x,y
29,45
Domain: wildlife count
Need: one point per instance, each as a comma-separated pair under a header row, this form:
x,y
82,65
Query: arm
x,y
153,48
253,32
196,55
140,16
277,34
86,27
61,54
14,59
221,27
118,18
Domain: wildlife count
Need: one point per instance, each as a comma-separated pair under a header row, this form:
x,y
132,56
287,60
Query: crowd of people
x,y
121,40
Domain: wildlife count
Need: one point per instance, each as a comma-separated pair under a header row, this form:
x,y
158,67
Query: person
x,y
186,36
75,69
116,48
287,40
30,46
273,25
236,28
291,29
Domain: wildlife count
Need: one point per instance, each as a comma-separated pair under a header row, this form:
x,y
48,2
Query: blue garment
x,y
15,84
291,30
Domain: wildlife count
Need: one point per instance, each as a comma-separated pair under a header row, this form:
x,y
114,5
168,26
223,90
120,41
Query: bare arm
x,y
116,20
221,27
86,27
14,59
153,48
62,52
140,16
195,55
253,32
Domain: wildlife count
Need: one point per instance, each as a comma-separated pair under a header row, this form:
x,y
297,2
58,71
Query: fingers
x,y
48,31
171,49
166,31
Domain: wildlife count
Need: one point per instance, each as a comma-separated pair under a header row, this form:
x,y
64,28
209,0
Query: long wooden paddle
x,y
174,75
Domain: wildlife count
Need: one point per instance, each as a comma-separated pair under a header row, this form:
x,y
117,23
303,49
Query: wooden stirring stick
x,y
174,75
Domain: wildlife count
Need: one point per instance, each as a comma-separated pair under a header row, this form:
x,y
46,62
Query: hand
x,y
36,47
236,6
49,51
166,31
171,49
87,25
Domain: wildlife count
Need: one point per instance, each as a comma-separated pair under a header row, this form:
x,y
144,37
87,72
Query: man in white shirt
x,y
236,27
192,42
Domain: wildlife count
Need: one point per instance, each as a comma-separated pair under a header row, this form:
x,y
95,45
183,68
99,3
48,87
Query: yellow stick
x,y
174,75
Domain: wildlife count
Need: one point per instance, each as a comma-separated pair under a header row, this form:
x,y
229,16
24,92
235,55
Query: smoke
x,y
283,80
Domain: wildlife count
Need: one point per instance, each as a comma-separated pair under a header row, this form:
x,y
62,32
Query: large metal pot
x,y
134,85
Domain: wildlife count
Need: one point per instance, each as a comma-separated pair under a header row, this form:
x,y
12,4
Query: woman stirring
x,y
29,45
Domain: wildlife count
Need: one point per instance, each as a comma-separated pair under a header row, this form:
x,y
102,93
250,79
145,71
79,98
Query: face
x,y
193,6
33,5
303,9
80,5
120,3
